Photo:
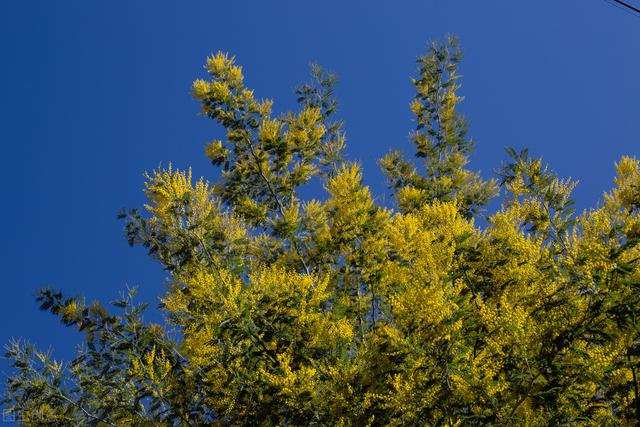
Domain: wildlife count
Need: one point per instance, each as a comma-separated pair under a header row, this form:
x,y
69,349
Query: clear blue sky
x,y
95,93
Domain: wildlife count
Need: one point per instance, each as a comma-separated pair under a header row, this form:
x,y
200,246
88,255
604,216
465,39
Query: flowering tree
x,y
340,311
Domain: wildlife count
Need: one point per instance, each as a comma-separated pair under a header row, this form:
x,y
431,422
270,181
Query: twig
x,y
278,202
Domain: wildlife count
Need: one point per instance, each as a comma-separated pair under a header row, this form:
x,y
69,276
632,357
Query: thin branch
x,y
77,405
278,202
526,395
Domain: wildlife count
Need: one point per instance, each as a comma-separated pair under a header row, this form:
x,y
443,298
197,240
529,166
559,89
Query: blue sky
x,y
95,93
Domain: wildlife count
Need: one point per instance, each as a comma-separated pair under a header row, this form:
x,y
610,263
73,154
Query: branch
x,y
278,202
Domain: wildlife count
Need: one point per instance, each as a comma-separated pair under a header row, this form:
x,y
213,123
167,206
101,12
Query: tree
x,y
341,311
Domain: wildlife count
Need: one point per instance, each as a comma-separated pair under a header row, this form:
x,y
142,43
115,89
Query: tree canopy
x,y
343,311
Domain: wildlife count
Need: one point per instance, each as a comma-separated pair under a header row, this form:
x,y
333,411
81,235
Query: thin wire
x,y
635,9
625,6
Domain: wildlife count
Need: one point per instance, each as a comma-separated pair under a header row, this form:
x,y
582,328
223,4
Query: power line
x,y
626,5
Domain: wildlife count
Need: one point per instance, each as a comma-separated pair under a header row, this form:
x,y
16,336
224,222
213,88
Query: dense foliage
x,y
340,311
